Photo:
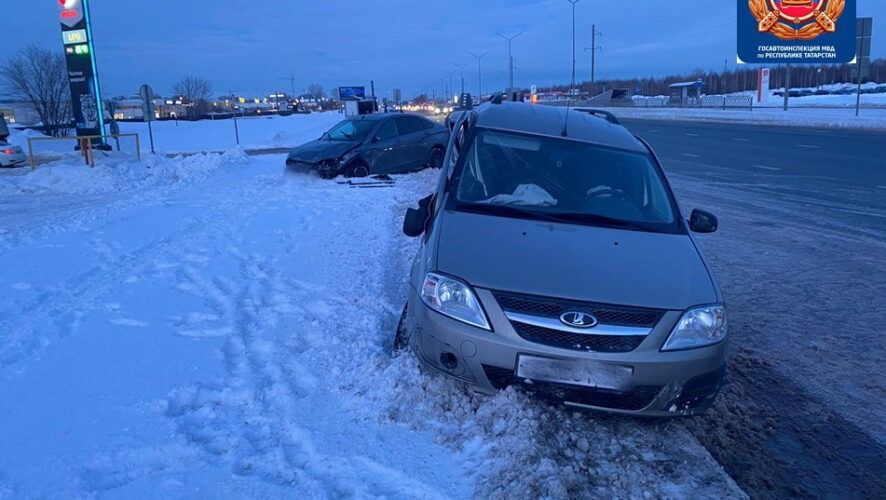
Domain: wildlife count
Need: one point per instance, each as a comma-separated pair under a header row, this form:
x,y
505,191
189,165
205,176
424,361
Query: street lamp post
x,y
234,114
461,68
573,2
449,92
510,60
479,75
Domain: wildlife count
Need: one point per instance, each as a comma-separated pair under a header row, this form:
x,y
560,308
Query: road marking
x,y
881,187
691,135
691,155
764,167
808,146
654,130
739,139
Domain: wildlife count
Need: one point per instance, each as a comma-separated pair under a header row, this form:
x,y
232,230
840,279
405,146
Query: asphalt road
x,y
819,166
800,257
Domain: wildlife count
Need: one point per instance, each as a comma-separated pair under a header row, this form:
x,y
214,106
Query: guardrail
x,y
85,144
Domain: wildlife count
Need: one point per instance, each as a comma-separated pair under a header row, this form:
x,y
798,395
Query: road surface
x,y
800,258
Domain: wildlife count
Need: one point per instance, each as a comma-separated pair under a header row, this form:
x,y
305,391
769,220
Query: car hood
x,y
611,266
320,150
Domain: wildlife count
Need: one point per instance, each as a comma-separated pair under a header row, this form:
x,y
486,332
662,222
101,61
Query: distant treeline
x,y
739,80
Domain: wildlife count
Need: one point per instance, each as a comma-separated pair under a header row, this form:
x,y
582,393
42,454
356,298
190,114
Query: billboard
x,y
351,93
796,31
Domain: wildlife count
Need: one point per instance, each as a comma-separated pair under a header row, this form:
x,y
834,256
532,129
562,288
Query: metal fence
x,y
710,102
650,102
721,102
83,144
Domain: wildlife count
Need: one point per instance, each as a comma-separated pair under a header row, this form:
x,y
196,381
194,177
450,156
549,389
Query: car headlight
x,y
698,327
453,298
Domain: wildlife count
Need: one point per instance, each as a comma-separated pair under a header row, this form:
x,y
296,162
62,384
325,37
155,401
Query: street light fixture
x,y
510,60
479,75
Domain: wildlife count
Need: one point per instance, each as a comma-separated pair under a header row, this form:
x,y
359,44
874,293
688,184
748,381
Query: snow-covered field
x,y
219,135
172,137
205,327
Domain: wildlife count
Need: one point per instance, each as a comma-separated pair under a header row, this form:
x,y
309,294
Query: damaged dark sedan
x,y
373,144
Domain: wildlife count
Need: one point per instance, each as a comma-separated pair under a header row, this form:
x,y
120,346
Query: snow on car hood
x,y
321,149
578,262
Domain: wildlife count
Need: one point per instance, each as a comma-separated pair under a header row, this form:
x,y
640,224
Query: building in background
x,y
19,113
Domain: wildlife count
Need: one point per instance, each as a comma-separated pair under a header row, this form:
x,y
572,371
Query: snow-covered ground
x,y
869,119
205,327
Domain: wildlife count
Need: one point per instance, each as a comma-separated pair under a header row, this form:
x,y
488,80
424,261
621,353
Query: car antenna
x,y
572,86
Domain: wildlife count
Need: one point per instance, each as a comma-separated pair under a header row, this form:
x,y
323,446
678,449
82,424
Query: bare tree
x,y
40,77
316,91
196,91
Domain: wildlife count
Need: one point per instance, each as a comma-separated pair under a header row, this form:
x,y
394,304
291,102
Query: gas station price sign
x,y
74,37
86,100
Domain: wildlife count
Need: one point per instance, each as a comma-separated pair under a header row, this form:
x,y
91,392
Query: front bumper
x,y
326,169
656,383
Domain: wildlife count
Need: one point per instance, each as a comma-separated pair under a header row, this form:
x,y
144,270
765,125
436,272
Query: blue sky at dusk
x,y
250,46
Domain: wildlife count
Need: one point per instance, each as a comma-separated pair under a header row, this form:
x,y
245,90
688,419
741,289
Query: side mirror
x,y
703,222
416,219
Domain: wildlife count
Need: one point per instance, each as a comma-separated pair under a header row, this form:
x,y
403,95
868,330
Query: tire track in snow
x,y
260,417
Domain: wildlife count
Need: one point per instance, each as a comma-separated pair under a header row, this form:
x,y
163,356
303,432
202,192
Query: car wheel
x,y
401,336
437,156
358,169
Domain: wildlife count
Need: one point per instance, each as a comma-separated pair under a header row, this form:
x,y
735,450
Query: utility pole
x,y
479,75
593,50
291,81
510,60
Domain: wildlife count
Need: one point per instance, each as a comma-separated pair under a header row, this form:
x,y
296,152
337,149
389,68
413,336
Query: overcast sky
x,y
249,46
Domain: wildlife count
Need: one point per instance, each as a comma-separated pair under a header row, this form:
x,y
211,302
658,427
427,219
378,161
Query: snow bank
x,y
115,174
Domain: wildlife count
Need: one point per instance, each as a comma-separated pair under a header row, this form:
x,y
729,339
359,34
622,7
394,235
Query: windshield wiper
x,y
607,221
510,210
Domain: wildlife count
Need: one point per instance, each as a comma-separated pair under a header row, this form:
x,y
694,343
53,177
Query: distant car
x,y
554,257
373,144
11,156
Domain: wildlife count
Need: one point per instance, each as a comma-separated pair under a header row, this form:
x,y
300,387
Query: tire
x,y
358,169
438,154
401,335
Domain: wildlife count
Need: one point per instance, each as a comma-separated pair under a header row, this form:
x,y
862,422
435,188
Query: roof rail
x,y
496,99
606,115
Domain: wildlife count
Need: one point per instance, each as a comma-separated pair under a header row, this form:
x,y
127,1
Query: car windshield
x,y
563,180
350,130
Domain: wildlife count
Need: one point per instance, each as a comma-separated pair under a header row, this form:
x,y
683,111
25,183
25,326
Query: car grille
x,y
577,341
553,308
634,399
606,315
